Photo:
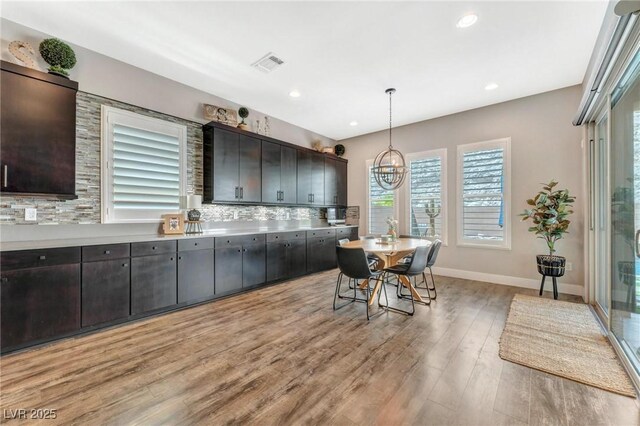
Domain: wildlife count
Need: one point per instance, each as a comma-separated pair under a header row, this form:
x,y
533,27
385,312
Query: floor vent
x,y
268,63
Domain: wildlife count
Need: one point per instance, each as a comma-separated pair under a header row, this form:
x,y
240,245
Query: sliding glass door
x,y
599,158
624,213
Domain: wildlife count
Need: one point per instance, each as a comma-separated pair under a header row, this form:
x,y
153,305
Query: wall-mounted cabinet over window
x,y
425,192
143,166
484,180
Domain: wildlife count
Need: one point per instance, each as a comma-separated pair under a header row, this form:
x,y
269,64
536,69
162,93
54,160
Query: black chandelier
x,y
389,168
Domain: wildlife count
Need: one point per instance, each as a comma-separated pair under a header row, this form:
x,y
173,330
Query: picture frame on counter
x,y
173,224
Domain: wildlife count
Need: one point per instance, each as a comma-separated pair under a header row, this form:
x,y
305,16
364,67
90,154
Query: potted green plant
x,y
549,212
243,113
59,55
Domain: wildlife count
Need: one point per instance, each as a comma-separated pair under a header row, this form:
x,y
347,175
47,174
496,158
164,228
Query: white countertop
x,y
92,241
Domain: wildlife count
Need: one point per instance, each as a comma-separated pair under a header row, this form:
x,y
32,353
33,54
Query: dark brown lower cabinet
x,y
153,282
105,291
254,258
39,304
286,259
228,266
195,275
321,253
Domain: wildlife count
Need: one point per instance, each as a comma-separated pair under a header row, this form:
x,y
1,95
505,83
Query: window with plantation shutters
x,y
483,194
143,167
425,191
380,206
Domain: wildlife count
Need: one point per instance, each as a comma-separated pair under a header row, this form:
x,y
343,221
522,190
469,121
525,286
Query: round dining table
x,y
390,253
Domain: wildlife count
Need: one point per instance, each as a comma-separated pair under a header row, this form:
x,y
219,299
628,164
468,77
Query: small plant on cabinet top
x,y
58,54
550,210
243,113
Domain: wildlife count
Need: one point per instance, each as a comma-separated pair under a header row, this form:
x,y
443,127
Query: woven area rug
x,y
564,339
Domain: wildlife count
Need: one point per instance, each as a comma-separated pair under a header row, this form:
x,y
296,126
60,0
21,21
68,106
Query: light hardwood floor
x,y
281,355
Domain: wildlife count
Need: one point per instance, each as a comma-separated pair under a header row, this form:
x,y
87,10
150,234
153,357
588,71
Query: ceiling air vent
x,y
268,63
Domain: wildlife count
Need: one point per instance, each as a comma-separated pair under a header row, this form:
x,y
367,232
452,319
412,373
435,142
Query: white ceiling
x,y
340,56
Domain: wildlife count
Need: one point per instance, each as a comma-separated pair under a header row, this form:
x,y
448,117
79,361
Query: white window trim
x,y
434,153
396,206
505,144
111,116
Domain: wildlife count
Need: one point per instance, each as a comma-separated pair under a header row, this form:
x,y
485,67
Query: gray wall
x,y
544,146
104,76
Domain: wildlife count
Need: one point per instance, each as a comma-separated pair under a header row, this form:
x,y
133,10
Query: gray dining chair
x,y
353,264
414,268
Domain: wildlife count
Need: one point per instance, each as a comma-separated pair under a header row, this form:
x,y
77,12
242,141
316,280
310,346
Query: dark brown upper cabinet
x,y
232,167
335,182
310,178
243,168
278,174
37,133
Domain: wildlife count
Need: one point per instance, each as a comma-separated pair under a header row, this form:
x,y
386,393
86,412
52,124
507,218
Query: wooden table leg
x,y
407,283
375,291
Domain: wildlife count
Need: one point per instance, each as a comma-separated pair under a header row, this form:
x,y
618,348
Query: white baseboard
x,y
565,288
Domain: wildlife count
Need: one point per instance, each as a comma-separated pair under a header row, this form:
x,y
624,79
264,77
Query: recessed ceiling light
x,y
491,86
353,123
467,20
294,94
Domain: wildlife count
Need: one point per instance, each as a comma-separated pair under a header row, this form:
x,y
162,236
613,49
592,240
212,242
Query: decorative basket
x,y
551,266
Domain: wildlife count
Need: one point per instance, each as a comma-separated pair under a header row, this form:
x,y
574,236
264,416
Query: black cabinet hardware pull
x,y
5,175
195,244
43,258
239,251
125,265
241,192
107,252
153,248
277,237
236,192
172,258
179,258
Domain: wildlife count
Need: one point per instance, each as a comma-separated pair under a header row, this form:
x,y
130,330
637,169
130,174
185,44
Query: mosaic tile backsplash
x,y
86,209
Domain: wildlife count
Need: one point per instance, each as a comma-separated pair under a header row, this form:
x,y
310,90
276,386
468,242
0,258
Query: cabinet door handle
x,y
195,244
237,192
239,251
309,198
179,258
5,173
241,192
313,198
124,265
637,240
172,258
4,280
107,252
42,257
153,248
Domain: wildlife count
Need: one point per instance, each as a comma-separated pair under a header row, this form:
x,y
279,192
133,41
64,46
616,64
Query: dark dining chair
x,y
374,259
413,269
432,256
353,264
